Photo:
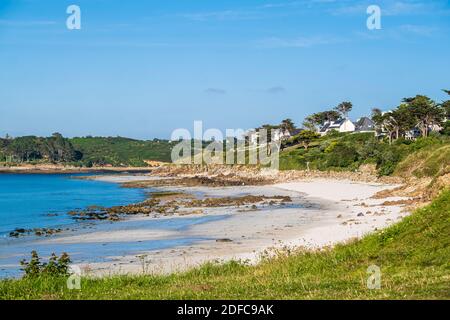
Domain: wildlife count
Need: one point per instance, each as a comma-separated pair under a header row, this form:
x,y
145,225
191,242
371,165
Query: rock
x,y
360,214
224,240
19,232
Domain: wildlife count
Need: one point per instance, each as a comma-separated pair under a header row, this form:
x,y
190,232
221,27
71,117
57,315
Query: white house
x,y
278,135
343,125
252,136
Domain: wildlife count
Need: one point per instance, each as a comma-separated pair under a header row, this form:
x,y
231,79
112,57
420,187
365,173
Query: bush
x,y
344,151
446,129
342,155
56,266
421,143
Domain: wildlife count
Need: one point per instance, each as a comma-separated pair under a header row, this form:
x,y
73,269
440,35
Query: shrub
x,y
425,142
446,128
56,266
342,156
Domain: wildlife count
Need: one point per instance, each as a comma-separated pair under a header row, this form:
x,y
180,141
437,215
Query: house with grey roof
x,y
342,125
364,124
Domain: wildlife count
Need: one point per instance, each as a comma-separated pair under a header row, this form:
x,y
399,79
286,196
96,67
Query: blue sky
x,y
144,68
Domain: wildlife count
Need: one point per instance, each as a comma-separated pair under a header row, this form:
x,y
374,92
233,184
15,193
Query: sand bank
x,y
324,212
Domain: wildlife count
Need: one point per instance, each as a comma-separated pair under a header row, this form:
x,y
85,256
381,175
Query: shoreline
x,y
57,169
324,211
335,212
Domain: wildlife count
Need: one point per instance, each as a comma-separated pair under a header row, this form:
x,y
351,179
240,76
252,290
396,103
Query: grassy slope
x,y
346,152
429,162
117,150
414,256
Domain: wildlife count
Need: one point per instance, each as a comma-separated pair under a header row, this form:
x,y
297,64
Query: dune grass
x,y
429,162
414,257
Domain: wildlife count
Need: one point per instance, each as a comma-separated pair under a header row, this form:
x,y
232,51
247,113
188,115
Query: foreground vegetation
x,y
414,257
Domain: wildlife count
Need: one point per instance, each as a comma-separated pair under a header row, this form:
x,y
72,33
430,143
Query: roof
x,y
333,125
365,124
325,127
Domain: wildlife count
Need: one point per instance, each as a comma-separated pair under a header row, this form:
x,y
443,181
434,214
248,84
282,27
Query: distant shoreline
x,y
57,169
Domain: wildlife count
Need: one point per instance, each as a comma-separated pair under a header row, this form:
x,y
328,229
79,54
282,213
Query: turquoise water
x,y
42,201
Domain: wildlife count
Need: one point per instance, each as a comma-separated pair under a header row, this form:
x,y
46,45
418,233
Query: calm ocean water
x,y
42,201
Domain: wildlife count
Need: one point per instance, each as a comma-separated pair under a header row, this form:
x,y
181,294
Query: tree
x,y
317,119
425,112
344,108
389,124
395,122
377,118
287,125
330,115
401,120
446,105
59,149
305,138
309,124
24,148
267,128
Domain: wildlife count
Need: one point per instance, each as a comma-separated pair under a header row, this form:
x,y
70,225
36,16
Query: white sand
x,y
352,198
114,236
330,216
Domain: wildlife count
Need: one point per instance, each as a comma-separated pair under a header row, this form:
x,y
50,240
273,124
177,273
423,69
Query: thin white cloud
x,y
304,3
222,15
404,8
26,23
419,30
406,32
392,8
299,42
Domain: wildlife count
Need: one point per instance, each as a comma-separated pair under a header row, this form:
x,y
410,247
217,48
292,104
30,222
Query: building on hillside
x,y
278,135
413,134
342,125
252,136
364,124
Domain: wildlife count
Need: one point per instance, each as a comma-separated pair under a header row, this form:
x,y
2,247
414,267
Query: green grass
x,y
347,152
429,162
414,257
85,151
121,151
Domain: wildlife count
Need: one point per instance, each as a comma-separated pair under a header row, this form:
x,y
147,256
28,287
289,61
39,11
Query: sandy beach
x,y
323,212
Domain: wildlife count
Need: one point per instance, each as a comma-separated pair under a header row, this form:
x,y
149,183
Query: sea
x,y
29,201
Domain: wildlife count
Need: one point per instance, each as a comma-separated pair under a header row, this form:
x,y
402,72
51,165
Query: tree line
x,y
312,122
419,112
30,148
